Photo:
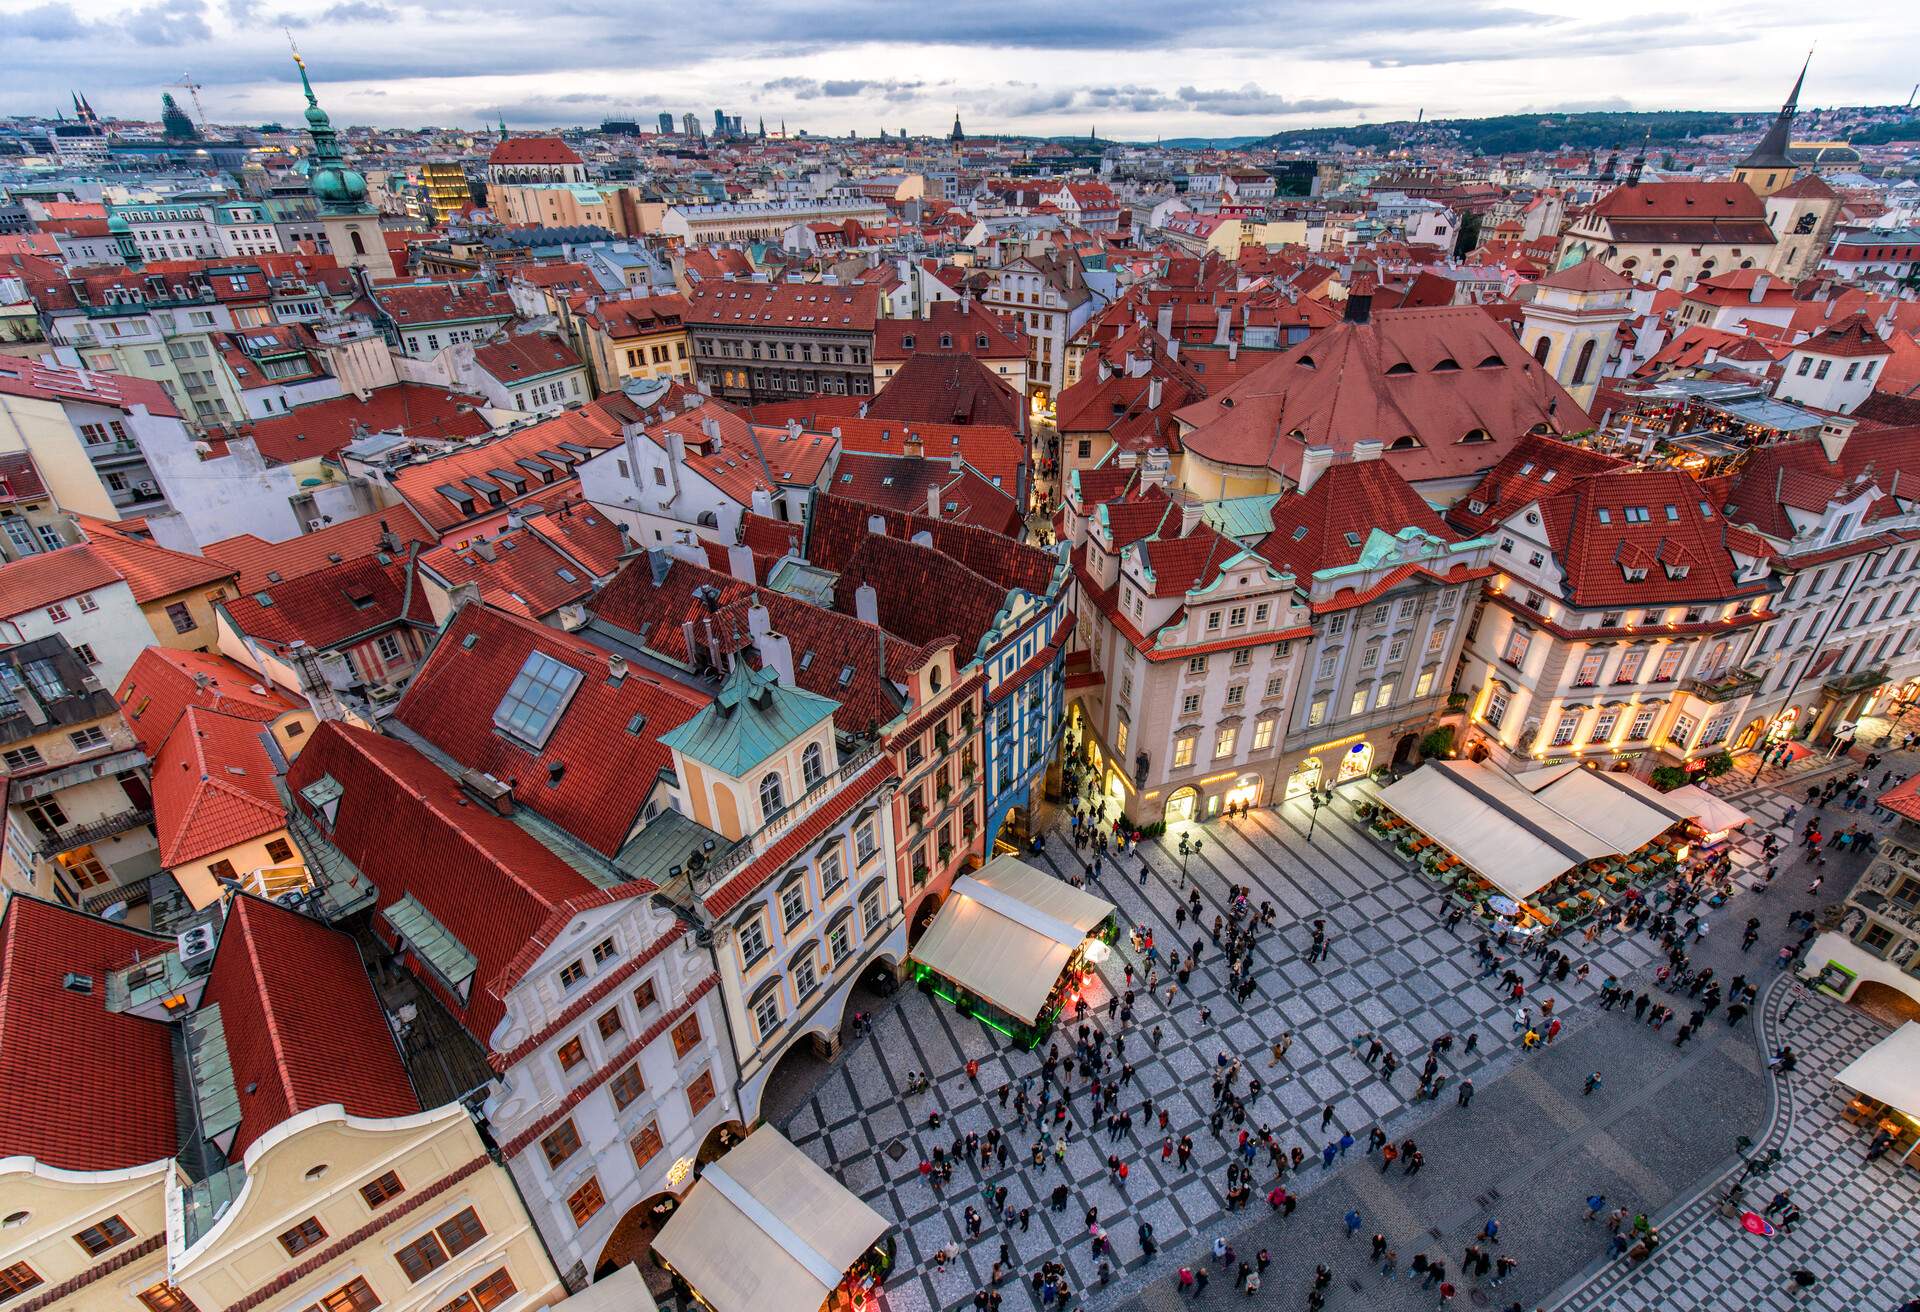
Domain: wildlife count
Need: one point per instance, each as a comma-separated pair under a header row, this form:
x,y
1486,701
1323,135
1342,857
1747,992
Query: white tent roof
x,y
623,1290
1712,814
1006,931
1889,1070
1619,809
767,1230
1521,832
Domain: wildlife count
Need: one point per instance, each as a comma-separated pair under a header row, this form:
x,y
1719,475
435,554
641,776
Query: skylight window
x,y
1299,532
1606,516
535,699
1353,539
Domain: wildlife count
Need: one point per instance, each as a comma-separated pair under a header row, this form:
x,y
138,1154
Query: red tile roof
x,y
152,571
329,606
20,478
516,358
903,576
212,787
974,330
1536,467
62,1052
1590,275
1675,534
901,483
162,683
39,580
796,307
322,428
606,740
1682,200
1436,376
408,827
303,1026
533,150
593,428
514,570
578,529
20,376
839,524
261,563
635,316
997,452
1852,336
1327,526
936,388
421,304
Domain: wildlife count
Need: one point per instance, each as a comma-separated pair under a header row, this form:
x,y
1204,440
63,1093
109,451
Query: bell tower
x,y
1770,166
352,226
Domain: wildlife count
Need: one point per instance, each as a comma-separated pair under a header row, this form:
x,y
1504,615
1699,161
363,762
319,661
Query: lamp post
x,y
1318,798
1189,846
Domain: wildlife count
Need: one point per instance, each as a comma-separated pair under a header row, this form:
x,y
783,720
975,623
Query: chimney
x,y
616,666
389,540
1137,365
1760,284
913,446
1368,450
1153,392
863,410
1163,320
877,524
762,502
516,518
1191,510
933,501
1313,463
1233,352
1834,432
1223,326
776,653
1360,299
866,603
740,563
1106,369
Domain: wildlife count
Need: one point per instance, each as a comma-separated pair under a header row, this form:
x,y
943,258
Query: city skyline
x,y
999,67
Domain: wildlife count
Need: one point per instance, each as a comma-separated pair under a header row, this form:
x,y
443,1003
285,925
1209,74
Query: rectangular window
x,y
805,978
279,851
536,697
700,1092
560,1143
1424,684
1183,752
793,905
1517,643
491,1292
1589,672
382,1189
627,1085
102,1235
646,1144
1237,615
1223,742
17,1279
1237,694
864,842
1629,670
686,1035
1669,666
1384,694
1641,727
1563,731
1682,731
572,1053
610,1023
421,1257
303,1236
183,621
1263,735
354,1296
572,973
159,1297
58,613
1317,712
1496,708
585,1201
461,1231
388,645
832,873
753,941
1190,704
644,996
871,911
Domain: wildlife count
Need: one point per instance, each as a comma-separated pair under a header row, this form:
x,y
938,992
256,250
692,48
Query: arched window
x,y
1586,359
1541,347
933,678
810,772
773,798
359,246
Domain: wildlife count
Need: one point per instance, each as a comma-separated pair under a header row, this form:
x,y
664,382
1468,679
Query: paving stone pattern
x,y
1394,969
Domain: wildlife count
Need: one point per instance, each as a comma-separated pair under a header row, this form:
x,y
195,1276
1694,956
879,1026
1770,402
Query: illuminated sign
x,y
679,1171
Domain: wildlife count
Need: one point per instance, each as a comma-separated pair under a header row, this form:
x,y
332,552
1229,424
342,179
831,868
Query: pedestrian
x,y
1352,1219
1504,1267
1592,1083
1466,1092
1326,1116
1595,1202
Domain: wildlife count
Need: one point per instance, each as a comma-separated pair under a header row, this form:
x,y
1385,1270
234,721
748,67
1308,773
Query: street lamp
x,y
1189,846
1318,798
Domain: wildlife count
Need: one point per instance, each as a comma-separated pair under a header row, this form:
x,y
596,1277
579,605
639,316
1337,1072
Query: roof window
x,y
535,699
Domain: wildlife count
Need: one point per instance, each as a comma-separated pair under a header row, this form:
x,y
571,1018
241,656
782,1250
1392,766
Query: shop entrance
x,y
1885,1003
1305,777
1356,763
1246,792
632,1239
1183,805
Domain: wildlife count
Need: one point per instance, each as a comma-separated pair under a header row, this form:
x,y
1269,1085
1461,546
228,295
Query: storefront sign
x,y
1338,742
1835,978
679,1171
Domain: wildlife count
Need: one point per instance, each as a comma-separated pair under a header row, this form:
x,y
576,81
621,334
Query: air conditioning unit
x,y
385,692
147,489
197,944
314,525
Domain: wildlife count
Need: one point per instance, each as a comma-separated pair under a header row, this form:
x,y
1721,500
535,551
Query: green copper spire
x,y
338,188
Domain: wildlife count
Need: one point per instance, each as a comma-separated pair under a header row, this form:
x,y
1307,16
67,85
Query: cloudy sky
x,y
1132,68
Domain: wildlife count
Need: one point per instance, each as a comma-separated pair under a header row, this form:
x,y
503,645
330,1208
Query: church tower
x,y
353,229
1770,166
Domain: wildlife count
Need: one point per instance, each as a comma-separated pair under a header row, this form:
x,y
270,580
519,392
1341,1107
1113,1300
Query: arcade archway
x,y
632,1239
1182,805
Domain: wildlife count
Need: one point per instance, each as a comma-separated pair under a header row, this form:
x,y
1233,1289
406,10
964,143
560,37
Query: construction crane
x,y
192,88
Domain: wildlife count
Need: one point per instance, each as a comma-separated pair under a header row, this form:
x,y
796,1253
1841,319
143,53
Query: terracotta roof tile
x,y
212,787
61,1049
162,683
262,563
154,572
321,428
329,606
39,580
303,1026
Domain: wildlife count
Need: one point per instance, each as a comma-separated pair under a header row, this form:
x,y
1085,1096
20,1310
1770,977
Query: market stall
x,y
765,1229
624,1290
1010,945
1544,848
1885,1080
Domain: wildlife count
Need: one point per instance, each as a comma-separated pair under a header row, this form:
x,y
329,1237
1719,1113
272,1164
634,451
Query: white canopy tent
x,y
1005,933
765,1229
1706,810
623,1290
1889,1071
1521,832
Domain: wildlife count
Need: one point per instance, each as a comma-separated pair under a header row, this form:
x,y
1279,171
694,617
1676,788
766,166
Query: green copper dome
x,y
333,184
339,187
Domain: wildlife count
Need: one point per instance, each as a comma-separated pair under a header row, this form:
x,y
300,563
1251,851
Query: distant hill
x,y
1519,133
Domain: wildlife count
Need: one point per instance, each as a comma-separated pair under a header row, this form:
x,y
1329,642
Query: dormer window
x,y
1634,573
1446,365
906,342
1396,370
